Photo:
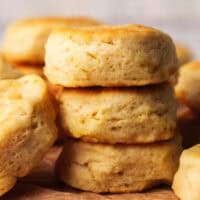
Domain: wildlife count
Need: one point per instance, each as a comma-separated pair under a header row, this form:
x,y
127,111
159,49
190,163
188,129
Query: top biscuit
x,y
129,55
25,39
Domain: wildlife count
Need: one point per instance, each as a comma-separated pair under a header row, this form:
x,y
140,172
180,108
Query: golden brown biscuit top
x,y
68,21
114,31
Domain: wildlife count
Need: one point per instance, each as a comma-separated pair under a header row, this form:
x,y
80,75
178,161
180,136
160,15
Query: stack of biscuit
x,y
25,39
117,107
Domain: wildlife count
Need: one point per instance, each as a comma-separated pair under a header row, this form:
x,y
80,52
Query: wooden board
x,y
41,184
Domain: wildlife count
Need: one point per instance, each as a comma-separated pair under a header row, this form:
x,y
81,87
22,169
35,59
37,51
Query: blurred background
x,y
179,18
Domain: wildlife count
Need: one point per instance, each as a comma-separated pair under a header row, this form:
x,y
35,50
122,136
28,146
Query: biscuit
x,y
25,39
128,55
186,184
7,71
117,168
119,115
27,127
184,54
188,86
30,69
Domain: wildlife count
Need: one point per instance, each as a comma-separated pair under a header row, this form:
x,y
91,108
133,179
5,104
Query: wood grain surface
x,y
41,184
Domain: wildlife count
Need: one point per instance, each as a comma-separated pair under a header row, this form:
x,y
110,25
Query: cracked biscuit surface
x,y
128,55
25,39
27,127
118,168
119,115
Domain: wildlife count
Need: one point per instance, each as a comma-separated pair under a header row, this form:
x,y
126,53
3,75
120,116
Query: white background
x,y
179,18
